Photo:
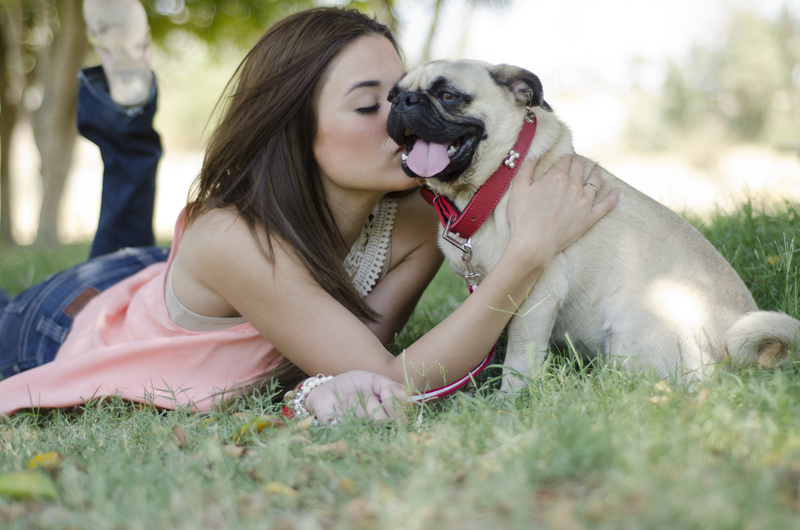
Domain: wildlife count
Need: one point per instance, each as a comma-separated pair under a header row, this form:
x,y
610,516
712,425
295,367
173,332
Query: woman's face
x,y
351,147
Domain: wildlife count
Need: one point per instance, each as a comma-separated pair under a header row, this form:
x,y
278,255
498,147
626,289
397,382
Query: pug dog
x,y
642,288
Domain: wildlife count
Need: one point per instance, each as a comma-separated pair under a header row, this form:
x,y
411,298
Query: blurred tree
x,y
385,10
235,23
11,84
749,82
42,46
42,41
58,42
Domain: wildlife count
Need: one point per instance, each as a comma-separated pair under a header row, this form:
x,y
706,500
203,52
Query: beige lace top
x,y
369,257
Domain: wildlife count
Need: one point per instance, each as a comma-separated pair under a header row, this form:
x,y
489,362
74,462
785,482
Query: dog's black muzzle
x,y
416,115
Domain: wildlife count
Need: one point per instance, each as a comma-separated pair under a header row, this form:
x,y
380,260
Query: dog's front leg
x,y
529,331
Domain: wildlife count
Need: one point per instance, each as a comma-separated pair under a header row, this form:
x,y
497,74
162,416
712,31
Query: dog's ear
x,y
525,85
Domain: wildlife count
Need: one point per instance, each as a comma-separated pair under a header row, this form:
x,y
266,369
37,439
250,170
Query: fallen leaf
x,y
305,423
279,488
563,515
659,400
774,259
595,508
662,387
12,512
257,425
702,396
386,493
256,475
360,509
299,438
26,485
252,504
422,439
233,451
337,449
773,459
180,437
462,473
46,461
347,484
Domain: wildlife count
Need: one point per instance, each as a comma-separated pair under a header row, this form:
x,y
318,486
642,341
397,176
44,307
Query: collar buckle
x,y
530,117
471,278
450,237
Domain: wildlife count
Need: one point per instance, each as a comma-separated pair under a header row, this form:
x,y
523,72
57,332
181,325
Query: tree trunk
x,y
11,86
53,122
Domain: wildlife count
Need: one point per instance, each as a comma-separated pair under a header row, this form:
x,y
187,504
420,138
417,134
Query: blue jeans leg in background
x,y
35,323
130,149
4,300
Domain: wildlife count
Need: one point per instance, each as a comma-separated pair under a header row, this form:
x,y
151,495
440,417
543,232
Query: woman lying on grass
x,y
303,251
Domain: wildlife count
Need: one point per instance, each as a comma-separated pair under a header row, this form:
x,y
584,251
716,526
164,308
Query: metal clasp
x,y
529,115
471,278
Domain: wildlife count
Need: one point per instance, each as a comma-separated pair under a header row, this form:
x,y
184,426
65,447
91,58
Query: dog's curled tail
x,y
768,338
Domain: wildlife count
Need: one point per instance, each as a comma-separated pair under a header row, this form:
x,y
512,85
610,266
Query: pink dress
x,y
123,343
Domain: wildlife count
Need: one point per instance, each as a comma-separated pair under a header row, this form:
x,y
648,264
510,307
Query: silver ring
x,y
592,185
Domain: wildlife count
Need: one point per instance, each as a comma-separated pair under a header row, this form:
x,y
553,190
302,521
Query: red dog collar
x,y
465,224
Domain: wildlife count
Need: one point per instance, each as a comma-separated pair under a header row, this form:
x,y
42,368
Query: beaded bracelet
x,y
296,399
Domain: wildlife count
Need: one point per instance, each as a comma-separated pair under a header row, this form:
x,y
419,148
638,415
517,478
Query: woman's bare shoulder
x,y
220,233
215,223
216,249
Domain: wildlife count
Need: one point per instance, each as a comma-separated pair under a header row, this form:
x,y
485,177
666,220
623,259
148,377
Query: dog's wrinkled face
x,y
450,115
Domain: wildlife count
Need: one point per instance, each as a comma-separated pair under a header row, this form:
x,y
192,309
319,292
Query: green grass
x,y
586,447
22,267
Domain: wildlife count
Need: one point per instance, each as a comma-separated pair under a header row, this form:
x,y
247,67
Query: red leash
x,y
464,224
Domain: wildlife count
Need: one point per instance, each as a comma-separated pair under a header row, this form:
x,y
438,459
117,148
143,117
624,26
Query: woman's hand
x,y
358,393
550,214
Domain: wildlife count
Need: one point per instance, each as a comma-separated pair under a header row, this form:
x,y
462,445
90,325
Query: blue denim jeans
x,y
130,149
35,323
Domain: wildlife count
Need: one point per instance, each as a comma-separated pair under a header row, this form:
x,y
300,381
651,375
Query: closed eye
x,y
369,110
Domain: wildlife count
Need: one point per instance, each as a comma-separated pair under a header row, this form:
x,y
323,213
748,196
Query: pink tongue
x,y
427,159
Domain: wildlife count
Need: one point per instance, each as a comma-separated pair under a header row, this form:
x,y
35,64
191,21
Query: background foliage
x,y
744,86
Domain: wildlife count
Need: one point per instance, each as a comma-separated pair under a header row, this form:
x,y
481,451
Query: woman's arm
x,y
283,302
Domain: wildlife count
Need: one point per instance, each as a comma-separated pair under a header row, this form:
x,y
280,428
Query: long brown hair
x,y
260,158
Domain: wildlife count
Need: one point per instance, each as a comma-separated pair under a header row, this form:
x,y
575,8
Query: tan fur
x,y
769,354
642,288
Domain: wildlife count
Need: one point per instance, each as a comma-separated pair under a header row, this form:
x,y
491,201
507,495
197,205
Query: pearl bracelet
x,y
296,399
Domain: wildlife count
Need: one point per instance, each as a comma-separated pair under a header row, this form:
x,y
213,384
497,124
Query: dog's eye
x,y
447,96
